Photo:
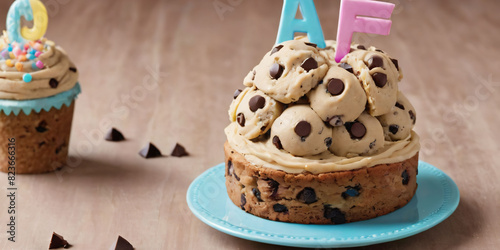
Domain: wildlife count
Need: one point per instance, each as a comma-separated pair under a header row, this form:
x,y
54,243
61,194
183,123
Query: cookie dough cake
x,y
315,141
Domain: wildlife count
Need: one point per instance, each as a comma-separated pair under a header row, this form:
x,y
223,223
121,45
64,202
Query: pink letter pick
x,y
350,22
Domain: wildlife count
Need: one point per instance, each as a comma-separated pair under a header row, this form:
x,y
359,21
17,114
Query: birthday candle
x,y
310,24
350,22
31,10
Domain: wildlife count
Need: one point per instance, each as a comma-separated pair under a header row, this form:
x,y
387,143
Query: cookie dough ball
x,y
339,98
256,113
290,70
300,131
379,77
399,122
364,136
250,78
237,97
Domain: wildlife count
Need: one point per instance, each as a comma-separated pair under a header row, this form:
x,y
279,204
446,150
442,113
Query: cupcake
x,y
38,87
314,141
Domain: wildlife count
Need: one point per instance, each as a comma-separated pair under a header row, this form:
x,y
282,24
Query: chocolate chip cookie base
x,y
327,198
41,140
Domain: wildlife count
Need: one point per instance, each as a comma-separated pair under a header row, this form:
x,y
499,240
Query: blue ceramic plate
x,y
436,198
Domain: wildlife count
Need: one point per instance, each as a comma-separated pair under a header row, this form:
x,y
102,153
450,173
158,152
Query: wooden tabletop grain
x,y
165,71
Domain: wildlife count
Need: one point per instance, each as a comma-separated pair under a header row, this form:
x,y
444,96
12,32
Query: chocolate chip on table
x,y
241,119
256,193
257,102
277,142
336,121
328,142
356,129
42,127
276,71
229,167
351,191
150,151
312,45
307,196
303,129
280,208
412,116
276,49
347,67
58,241
335,86
237,93
309,64
361,47
393,128
334,214
53,83
399,105
179,151
380,79
406,177
114,135
123,244
375,62
73,69
243,201
395,63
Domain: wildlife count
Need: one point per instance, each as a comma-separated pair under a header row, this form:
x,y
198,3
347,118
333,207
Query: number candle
x,y
31,10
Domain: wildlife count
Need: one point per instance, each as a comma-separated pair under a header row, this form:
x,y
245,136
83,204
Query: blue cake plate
x,y
436,198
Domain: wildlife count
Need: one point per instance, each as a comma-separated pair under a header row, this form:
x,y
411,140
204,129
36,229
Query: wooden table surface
x,y
165,71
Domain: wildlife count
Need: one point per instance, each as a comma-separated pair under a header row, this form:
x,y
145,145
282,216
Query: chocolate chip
x,y
309,64
150,151
356,129
73,69
412,116
256,102
280,208
336,121
243,201
229,168
395,63
58,149
42,127
58,241
307,196
303,100
372,144
114,135
351,191
393,128
406,177
53,83
312,45
346,67
361,47
399,105
276,71
375,62
303,129
379,50
237,93
241,119
256,193
123,244
380,79
236,176
276,49
328,142
179,151
334,214
273,185
335,86
277,142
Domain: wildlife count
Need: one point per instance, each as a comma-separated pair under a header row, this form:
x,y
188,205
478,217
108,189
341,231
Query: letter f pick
x,y
310,24
350,22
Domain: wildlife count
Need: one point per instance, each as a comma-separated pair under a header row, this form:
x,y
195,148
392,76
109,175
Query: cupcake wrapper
x,y
37,105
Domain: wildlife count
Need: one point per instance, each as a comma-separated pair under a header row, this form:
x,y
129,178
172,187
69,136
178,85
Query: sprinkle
x,y
38,46
40,64
33,51
9,63
5,54
23,58
17,51
27,77
12,56
19,66
26,46
31,57
34,67
38,53
10,48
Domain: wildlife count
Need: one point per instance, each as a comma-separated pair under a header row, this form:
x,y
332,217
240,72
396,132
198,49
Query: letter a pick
x,y
350,22
310,24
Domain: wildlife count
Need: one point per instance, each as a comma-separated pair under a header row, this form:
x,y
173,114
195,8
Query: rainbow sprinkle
x,y
23,58
27,78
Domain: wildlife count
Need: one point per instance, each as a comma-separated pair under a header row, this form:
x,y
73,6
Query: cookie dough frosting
x,y
302,111
37,70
